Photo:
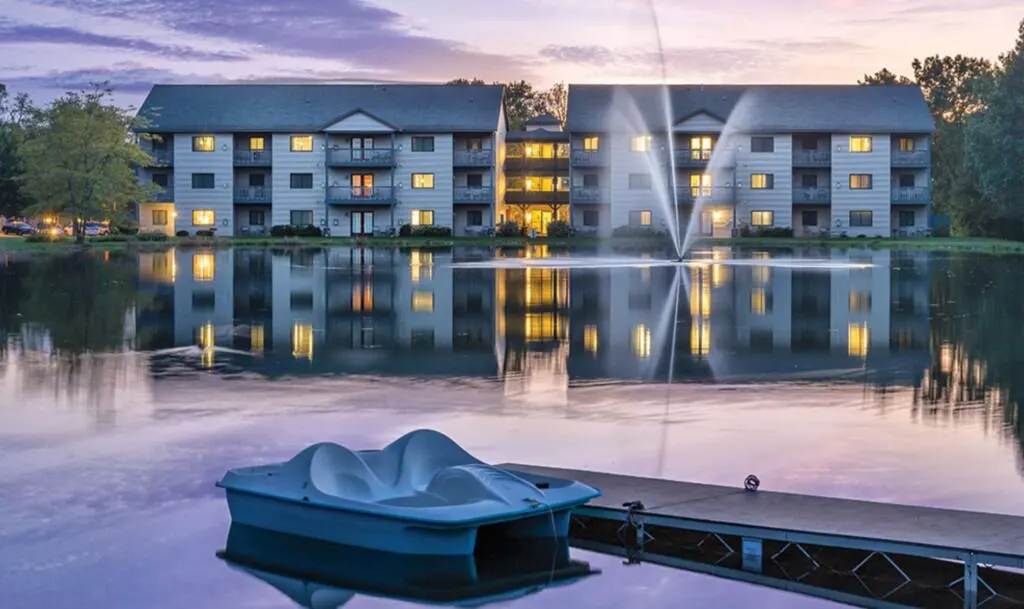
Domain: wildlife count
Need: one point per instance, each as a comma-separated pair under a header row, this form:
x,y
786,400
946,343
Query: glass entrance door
x,y
362,223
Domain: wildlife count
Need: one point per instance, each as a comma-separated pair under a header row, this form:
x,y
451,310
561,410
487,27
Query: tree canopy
x,y
13,198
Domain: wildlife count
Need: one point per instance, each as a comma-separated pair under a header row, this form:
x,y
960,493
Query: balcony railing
x,y
163,196
252,194
361,195
700,157
589,158
686,195
361,157
478,194
589,194
535,196
914,195
477,157
252,158
912,158
161,157
812,195
812,158
524,163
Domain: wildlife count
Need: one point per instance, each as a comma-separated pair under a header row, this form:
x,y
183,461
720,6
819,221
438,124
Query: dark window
x,y
474,218
161,179
809,143
475,180
160,217
762,143
202,180
861,218
906,219
422,338
257,179
809,218
591,217
301,218
423,143
906,180
809,180
203,301
257,217
640,181
474,143
302,180
301,301
590,180
762,340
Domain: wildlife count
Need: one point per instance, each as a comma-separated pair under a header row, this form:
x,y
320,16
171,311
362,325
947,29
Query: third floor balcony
x,y
161,157
911,158
252,158
480,195
702,157
914,195
812,158
589,158
589,194
537,196
361,157
475,157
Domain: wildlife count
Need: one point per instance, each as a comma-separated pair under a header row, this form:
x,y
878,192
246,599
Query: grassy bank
x,y
960,244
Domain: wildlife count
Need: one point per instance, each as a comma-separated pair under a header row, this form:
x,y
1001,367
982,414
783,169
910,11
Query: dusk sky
x,y
47,46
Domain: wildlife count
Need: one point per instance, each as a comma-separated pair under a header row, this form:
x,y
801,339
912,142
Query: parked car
x,y
95,229
16,227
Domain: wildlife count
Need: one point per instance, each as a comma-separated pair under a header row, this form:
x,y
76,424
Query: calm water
x,y
129,383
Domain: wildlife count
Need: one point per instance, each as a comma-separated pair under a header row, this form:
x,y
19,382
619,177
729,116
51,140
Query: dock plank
x,y
976,532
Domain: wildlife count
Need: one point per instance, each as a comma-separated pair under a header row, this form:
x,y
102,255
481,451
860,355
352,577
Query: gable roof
x,y
352,113
292,108
755,108
538,135
544,119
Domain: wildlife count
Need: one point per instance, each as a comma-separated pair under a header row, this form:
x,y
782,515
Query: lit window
x,y
762,181
762,218
203,267
203,217
758,301
591,143
907,144
590,339
422,180
700,185
641,341
860,302
857,337
422,217
302,341
422,301
641,143
302,143
641,218
700,148
257,338
860,143
700,337
203,143
860,181
257,144
540,151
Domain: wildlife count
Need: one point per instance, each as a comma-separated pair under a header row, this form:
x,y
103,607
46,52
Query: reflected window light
x,y
362,298
257,338
860,301
700,337
946,358
302,341
757,301
541,327
590,339
700,293
719,275
641,341
205,339
422,301
203,267
562,277
857,339
762,275
421,266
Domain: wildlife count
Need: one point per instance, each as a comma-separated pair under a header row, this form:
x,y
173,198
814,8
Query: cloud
x,y
356,32
14,33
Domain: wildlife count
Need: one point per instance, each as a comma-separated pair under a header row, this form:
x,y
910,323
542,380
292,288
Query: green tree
x,y
466,81
554,101
13,198
521,102
884,77
80,156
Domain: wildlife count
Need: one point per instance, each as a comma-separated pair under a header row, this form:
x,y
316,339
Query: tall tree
x,y
466,81
80,157
884,77
13,198
520,103
555,101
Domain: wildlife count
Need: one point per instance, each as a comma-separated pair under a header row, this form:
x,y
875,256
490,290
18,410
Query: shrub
x,y
204,233
181,233
635,231
509,229
151,237
125,229
431,231
559,229
405,230
288,230
42,237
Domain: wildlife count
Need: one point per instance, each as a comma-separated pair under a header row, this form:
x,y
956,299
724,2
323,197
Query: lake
x,y
131,381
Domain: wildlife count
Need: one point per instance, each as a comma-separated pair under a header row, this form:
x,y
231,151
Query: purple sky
x,y
47,46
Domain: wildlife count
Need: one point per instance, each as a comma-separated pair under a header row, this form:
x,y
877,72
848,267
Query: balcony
x,y
252,158
479,195
161,157
589,158
478,157
361,195
912,158
361,157
700,157
812,158
166,195
688,195
812,196
537,196
585,194
252,194
543,165
918,195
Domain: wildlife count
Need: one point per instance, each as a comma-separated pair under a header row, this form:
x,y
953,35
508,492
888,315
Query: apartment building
x,y
536,170
350,159
836,159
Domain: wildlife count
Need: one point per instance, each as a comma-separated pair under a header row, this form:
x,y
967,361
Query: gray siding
x,y
286,199
623,162
699,123
220,199
439,163
359,123
778,200
878,164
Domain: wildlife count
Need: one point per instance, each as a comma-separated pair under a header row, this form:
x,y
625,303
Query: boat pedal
x,y
542,485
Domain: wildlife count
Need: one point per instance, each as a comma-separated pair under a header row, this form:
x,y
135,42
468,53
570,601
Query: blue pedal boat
x,y
422,494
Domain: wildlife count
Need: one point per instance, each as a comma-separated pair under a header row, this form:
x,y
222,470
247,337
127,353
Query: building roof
x,y
291,108
537,135
544,119
753,108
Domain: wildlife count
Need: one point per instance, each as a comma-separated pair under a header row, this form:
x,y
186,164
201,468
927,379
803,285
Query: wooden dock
x,y
855,537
